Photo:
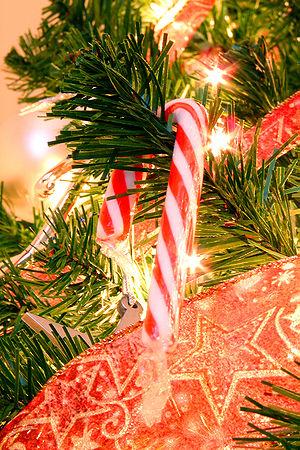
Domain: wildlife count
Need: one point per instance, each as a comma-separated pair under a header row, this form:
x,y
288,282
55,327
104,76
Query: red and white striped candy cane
x,y
178,222
116,214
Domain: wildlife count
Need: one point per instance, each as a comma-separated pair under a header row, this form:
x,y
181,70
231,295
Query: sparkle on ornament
x,y
295,319
288,266
215,76
177,26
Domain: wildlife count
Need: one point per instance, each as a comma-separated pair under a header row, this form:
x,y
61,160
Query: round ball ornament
x,y
231,338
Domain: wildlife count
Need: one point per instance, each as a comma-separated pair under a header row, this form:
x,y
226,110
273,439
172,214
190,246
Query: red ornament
x,y
232,337
182,21
277,127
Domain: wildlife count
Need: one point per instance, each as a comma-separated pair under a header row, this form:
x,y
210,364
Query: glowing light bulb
x,y
229,32
215,76
36,143
219,141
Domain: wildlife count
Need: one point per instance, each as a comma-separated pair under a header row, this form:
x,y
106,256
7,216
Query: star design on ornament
x,y
31,421
283,278
41,416
105,405
218,351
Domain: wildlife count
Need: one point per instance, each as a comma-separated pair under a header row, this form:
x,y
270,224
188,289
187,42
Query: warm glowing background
x,y
24,154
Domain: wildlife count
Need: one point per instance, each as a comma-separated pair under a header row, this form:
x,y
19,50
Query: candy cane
x,y
116,214
178,219
114,223
178,222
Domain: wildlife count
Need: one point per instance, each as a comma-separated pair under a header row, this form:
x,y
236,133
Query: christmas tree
x,y
112,69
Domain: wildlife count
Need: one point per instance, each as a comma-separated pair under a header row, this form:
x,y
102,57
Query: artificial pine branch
x,y
15,234
77,285
284,432
259,83
116,93
67,26
27,361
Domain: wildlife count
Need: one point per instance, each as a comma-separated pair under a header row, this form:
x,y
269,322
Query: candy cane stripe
x,y
121,182
192,119
185,172
167,236
164,262
101,231
107,227
175,218
191,154
159,311
116,214
179,191
150,330
192,134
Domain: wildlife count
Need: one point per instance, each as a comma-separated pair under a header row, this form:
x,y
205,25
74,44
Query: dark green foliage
x,y
118,92
263,75
27,361
258,85
67,27
70,285
285,424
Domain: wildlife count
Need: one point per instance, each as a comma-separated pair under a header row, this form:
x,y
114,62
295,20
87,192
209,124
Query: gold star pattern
x,y
218,351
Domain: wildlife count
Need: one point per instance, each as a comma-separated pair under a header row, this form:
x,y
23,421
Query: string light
x,y
215,76
219,141
36,142
194,262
